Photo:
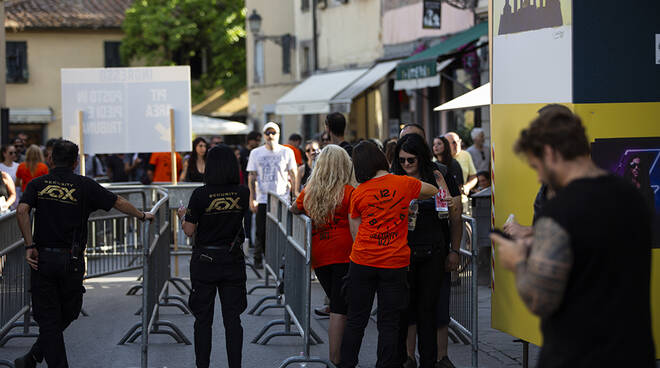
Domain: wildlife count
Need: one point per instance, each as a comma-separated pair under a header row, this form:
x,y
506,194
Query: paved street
x,y
92,341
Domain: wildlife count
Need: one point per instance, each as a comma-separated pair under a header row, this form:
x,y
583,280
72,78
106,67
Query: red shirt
x,y
296,154
162,162
382,203
331,243
24,174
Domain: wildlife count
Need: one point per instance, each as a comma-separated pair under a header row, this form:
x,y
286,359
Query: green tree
x,y
209,35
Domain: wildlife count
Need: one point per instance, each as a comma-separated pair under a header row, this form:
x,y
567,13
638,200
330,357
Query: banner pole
x,y
81,143
175,177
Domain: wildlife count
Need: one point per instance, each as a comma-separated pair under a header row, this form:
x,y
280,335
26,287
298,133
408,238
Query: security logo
x,y
224,204
59,193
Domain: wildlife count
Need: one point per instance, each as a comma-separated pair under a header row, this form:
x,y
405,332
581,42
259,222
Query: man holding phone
x,y
569,271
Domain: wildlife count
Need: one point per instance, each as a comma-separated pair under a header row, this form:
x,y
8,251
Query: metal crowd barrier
x,y
275,238
155,280
288,261
14,284
464,298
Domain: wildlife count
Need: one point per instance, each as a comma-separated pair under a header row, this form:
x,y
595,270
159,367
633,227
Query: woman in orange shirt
x,y
378,219
325,200
33,167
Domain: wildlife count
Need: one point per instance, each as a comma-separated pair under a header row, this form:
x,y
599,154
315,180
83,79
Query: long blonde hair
x,y
324,191
33,156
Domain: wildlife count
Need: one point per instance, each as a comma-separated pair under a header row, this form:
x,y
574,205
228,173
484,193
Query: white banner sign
x,y
126,110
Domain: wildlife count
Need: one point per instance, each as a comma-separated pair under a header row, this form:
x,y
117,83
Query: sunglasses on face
x,y
634,164
311,150
411,160
270,133
11,152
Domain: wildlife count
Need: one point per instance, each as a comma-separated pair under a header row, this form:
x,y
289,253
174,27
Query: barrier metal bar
x,y
14,282
464,299
298,287
273,254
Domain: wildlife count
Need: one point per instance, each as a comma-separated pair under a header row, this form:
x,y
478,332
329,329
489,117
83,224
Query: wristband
x,y
144,216
30,246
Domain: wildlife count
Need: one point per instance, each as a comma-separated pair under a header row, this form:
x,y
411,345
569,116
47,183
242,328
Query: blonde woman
x,y
33,167
325,200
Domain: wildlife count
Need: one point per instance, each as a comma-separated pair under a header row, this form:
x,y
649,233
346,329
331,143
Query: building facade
x,y
350,66
43,36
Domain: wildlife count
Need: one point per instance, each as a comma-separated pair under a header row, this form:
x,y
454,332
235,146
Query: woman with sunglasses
x,y
8,163
378,219
325,200
412,157
304,171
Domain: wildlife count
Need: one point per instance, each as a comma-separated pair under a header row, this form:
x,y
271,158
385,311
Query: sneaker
x,y
26,361
410,363
323,311
444,363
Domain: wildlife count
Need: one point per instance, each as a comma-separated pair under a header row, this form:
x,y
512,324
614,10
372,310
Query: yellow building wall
x,y
516,185
47,53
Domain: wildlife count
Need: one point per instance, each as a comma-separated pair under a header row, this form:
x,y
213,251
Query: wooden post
x,y
175,178
81,143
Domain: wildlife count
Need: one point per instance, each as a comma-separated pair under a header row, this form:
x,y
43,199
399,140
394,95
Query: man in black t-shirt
x,y
335,125
586,268
63,202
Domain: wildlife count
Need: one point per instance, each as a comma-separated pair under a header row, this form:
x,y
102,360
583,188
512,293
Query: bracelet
x,y
30,246
144,216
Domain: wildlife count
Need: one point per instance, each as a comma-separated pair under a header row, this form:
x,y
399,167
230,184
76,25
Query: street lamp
x,y
254,20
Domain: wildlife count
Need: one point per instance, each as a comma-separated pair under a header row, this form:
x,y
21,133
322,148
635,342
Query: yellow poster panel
x,y
515,186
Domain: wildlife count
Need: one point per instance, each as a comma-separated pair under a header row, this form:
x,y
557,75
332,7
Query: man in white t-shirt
x,y
272,168
465,160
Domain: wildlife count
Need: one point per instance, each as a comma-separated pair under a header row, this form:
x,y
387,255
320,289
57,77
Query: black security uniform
x,y
218,263
428,252
62,201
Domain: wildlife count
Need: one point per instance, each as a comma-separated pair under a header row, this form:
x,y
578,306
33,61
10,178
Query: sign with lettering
x,y
127,109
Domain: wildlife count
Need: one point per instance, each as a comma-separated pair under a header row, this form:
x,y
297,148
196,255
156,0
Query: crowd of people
x,y
386,224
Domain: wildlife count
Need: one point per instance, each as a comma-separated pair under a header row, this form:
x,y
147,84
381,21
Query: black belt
x,y
56,250
215,247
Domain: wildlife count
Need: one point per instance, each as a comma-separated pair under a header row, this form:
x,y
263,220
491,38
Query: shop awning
x,y
342,102
417,83
313,95
204,125
31,116
420,70
478,97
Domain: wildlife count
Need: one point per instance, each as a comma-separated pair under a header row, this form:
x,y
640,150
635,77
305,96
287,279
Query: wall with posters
x,y
541,60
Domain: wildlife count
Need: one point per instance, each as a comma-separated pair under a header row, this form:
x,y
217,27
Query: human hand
x,y
254,205
452,262
32,257
148,216
517,231
181,212
509,252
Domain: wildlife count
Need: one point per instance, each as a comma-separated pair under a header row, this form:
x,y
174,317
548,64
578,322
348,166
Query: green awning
x,y
421,70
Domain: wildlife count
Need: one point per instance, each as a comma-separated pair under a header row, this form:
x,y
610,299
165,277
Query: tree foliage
x,y
190,32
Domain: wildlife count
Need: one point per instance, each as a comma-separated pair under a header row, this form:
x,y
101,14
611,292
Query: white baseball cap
x,y
271,125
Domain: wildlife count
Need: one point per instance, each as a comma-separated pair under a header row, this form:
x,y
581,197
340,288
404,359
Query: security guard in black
x,y
218,264
63,202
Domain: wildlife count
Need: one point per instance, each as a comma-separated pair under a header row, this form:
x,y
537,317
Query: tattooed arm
x,y
542,276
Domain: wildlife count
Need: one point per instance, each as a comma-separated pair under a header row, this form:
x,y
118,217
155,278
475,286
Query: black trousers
x,y
226,275
362,284
424,277
57,294
260,243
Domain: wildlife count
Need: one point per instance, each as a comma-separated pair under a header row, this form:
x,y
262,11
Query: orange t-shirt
x,y
382,203
331,243
24,174
296,154
162,162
